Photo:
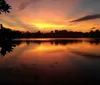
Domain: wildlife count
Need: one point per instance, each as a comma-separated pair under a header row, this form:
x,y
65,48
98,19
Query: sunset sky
x,y
47,15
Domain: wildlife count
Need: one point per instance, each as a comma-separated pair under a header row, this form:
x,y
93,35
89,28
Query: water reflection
x,y
8,46
86,54
50,61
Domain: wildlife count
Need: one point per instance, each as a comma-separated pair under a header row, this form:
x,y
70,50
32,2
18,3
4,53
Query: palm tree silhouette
x,y
4,6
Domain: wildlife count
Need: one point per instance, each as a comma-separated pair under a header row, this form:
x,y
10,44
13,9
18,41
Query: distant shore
x,y
6,33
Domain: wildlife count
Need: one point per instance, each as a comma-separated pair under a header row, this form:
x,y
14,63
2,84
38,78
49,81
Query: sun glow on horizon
x,y
47,25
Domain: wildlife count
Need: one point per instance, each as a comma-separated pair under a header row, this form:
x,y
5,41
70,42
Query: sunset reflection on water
x,y
66,59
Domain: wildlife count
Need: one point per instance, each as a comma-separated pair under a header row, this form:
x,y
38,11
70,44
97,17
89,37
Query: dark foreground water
x,y
50,62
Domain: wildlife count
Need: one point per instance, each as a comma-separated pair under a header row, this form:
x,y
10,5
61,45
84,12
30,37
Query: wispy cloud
x,y
15,21
88,17
93,28
26,3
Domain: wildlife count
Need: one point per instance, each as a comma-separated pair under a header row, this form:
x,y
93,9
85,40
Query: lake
x,y
50,61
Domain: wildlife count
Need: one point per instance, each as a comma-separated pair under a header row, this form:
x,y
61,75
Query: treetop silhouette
x,y
4,6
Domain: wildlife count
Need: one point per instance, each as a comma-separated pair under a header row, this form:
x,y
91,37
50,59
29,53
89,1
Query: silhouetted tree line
x,y
6,33
62,34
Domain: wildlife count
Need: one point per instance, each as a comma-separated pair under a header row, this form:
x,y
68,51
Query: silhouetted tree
x,y
4,6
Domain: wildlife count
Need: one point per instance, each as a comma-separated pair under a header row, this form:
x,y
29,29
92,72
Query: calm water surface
x,y
50,61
